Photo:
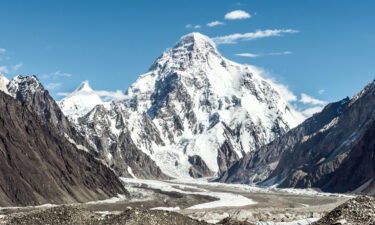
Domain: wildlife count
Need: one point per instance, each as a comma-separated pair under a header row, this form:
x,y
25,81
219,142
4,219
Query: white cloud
x,y
280,53
232,38
190,26
52,86
311,111
2,50
56,74
306,99
281,88
4,69
237,15
17,67
252,55
321,91
215,23
106,95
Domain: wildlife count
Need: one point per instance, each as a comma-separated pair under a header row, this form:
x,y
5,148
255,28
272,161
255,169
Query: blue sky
x,y
110,43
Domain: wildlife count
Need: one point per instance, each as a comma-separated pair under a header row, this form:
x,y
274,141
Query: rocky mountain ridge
x,y
38,166
334,156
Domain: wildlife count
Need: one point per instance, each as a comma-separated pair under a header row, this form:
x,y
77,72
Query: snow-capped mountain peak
x,y
24,86
197,41
83,87
194,112
81,101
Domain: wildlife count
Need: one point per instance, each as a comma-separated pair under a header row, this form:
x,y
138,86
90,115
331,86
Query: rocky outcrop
x,y
38,165
357,211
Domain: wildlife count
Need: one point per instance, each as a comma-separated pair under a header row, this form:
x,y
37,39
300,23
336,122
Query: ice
x,y
118,198
224,199
172,209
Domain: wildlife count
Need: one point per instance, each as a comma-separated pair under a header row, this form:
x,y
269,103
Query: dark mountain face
x,y
317,160
333,151
258,165
29,91
38,165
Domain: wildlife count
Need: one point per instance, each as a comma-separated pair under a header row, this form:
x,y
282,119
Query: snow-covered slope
x,y
80,101
3,83
194,113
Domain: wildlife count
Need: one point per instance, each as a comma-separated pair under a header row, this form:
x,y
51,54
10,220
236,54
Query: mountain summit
x,y
194,113
80,101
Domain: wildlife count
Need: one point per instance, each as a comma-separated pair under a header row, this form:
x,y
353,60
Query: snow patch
x,y
171,209
119,198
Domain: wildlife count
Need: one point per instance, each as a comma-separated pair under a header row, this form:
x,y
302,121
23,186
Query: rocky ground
x,y
69,215
357,211
187,203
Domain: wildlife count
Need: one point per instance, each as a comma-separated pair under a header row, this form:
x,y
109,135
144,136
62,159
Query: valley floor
x,y
213,202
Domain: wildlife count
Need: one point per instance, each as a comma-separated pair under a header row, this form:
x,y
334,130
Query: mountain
x,y
258,165
29,91
336,155
3,83
194,113
80,101
38,165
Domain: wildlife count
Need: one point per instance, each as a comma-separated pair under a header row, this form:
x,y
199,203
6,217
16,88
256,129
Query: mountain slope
x,y
258,165
38,166
194,113
3,83
337,156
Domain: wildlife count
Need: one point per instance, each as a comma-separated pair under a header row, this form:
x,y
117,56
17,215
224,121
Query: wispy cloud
x,y
190,26
215,23
252,55
56,74
17,67
53,86
2,50
4,69
237,15
106,95
306,99
321,91
311,111
282,89
233,38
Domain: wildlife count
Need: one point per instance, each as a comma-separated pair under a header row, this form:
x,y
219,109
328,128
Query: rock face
x,y
29,91
38,165
256,166
194,113
357,211
333,150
